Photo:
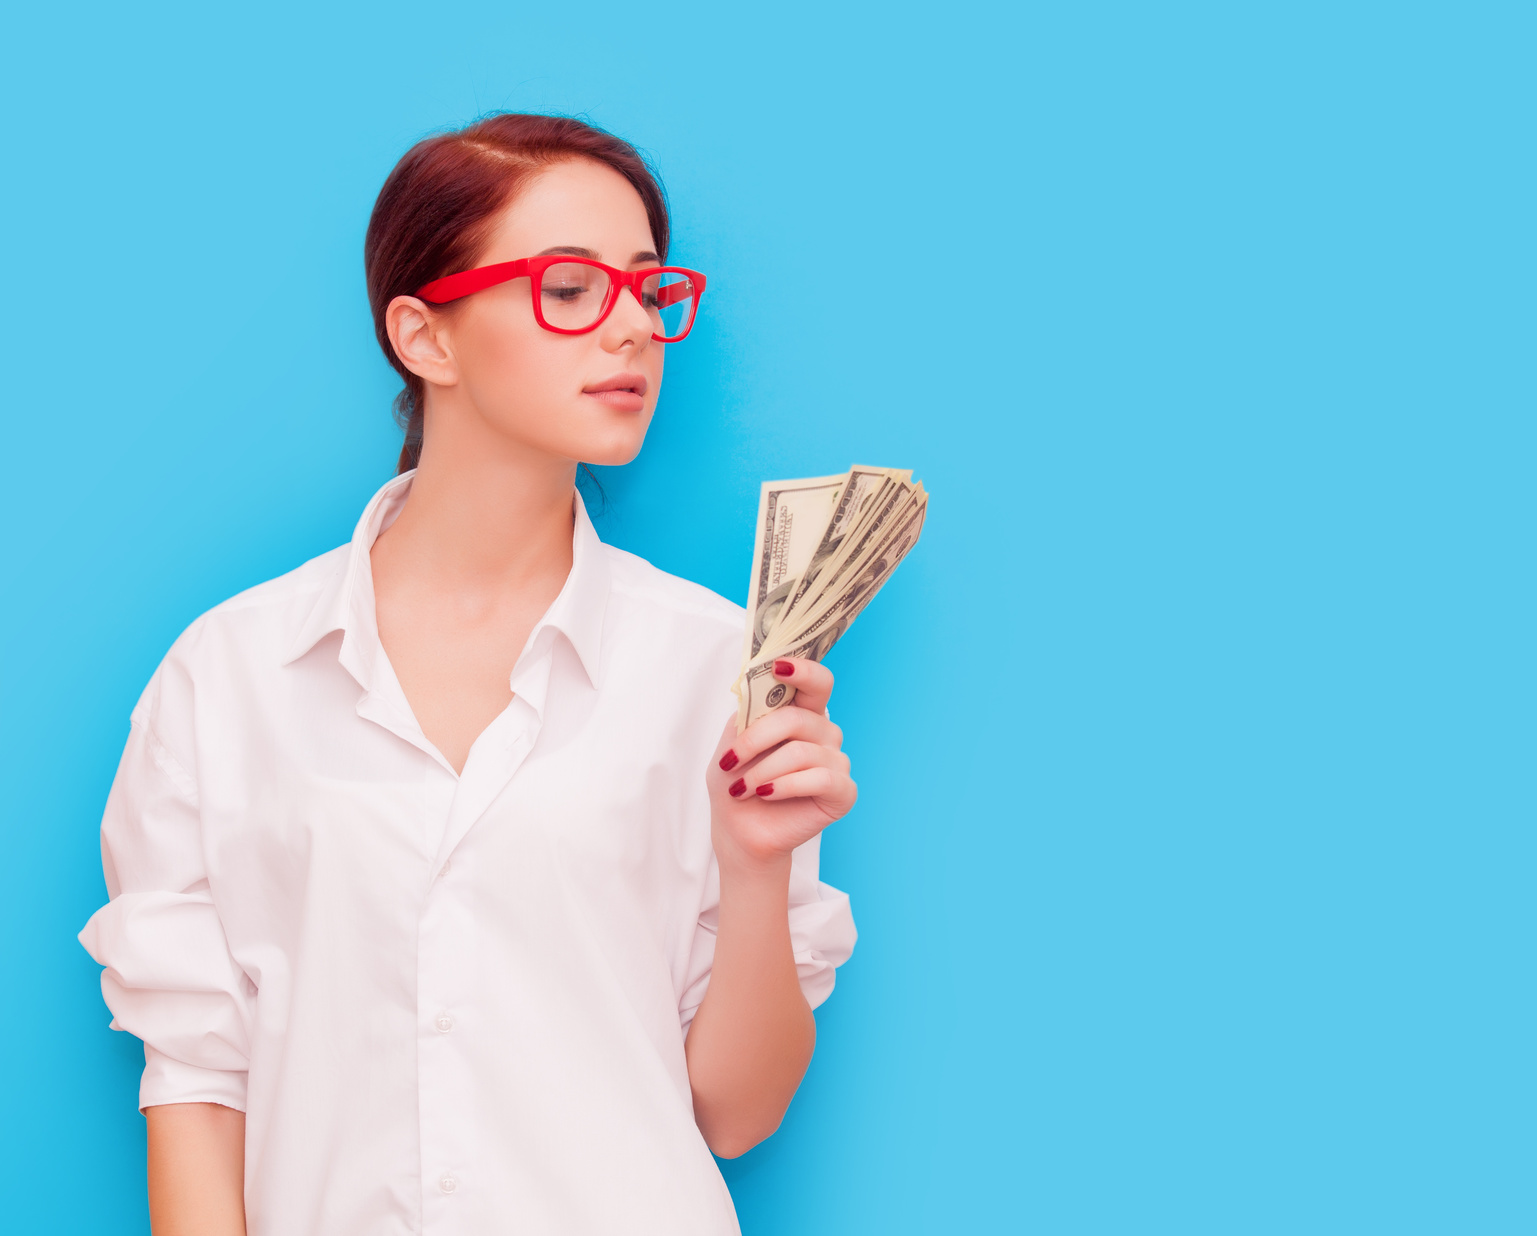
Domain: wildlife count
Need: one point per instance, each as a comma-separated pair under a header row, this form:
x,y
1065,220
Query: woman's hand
x,y
784,778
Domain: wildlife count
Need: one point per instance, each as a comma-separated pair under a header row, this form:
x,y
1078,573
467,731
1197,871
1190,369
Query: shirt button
x,y
447,863
444,1022
448,1184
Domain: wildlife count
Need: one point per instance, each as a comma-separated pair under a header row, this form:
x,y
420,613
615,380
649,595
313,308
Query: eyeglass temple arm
x,y
674,292
468,282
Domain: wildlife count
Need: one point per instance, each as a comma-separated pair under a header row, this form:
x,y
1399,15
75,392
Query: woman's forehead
x,y
576,204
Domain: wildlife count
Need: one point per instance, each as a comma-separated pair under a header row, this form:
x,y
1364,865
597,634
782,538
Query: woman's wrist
x,y
743,865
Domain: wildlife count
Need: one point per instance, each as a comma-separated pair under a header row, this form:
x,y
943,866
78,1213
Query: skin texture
x,y
196,1170
477,555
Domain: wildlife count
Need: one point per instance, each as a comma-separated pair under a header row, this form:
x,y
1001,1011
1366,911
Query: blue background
x,y
1194,857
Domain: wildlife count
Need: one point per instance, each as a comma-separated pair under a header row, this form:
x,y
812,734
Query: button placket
x,y
446,952
445,1072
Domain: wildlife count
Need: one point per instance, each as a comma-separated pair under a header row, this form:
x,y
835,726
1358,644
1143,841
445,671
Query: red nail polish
x,y
737,788
728,761
783,669
765,790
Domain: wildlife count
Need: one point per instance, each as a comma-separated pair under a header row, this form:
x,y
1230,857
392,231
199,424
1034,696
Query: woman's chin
x,y
609,445
612,457
612,450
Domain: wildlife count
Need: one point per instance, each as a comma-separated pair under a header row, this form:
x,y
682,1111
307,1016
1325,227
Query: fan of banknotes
x,y
825,546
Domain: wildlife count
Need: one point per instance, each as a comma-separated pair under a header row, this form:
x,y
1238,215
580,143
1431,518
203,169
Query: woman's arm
x,y
751,1040
196,1170
772,788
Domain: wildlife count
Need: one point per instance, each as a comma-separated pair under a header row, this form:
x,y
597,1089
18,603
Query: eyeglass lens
x,y
670,298
572,295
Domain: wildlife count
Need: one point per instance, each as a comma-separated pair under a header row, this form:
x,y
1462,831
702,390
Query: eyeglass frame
x,y
468,282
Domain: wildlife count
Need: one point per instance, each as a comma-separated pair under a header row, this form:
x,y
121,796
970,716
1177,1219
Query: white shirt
x,y
447,1003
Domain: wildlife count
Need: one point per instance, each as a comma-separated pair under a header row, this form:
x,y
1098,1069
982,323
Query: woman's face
x,y
579,397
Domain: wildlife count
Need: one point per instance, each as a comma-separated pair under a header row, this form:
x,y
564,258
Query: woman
x,y
445,895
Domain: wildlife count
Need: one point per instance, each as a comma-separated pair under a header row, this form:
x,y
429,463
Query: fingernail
x,y
765,790
728,761
783,669
737,787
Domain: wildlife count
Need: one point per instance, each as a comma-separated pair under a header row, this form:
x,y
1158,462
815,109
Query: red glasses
x,y
573,295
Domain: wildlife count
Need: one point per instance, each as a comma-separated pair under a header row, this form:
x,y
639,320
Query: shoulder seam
x,y
165,761
243,599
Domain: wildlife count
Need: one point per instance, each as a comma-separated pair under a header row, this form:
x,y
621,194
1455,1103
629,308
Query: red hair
x,y
437,207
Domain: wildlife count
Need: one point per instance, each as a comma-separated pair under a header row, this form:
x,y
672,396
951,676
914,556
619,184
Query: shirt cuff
x,y
168,1080
816,975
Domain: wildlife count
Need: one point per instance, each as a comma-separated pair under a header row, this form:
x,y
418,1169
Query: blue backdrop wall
x,y
1194,857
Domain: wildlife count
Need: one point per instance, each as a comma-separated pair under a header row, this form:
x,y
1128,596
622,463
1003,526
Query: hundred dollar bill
x,y
792,516
866,577
761,692
889,511
802,606
860,490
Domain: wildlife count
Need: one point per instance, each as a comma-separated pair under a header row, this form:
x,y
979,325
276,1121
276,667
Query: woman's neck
x,y
485,514
480,550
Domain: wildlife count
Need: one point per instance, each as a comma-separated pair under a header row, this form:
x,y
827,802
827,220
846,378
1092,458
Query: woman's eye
x,y
565,294
649,300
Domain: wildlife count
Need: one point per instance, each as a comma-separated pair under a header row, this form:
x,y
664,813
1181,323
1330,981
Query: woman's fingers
x,y
834,790
790,758
727,736
813,682
781,725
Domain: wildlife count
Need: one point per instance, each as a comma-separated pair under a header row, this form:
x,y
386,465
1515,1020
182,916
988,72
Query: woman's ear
x,y
417,335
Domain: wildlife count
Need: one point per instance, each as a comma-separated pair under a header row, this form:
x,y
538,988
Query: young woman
x,y
445,896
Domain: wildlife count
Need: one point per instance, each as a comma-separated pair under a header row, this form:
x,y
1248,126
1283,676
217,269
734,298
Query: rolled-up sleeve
x,y
821,924
169,977
822,933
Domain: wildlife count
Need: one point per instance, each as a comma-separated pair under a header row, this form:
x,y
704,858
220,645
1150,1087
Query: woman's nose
x,y
629,320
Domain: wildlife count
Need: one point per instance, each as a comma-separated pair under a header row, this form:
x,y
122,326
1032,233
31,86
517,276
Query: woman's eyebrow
x,y
645,255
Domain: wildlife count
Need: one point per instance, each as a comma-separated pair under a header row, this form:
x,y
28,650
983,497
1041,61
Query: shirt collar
x,y
578,611
346,603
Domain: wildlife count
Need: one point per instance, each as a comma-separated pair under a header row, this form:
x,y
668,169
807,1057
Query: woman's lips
x,y
625,392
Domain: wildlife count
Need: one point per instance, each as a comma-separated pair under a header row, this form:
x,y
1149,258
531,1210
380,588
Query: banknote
x,y
861,491
825,546
863,546
859,584
792,517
